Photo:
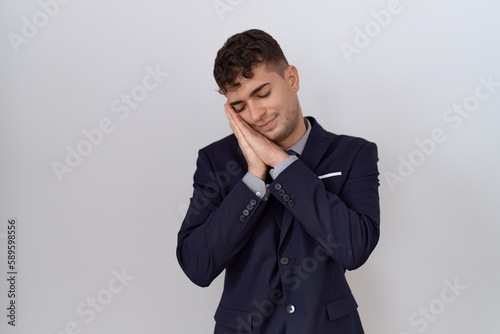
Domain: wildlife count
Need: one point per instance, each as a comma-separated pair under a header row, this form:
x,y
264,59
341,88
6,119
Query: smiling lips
x,y
268,125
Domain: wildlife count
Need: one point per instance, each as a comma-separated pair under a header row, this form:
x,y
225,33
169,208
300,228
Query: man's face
x,y
268,102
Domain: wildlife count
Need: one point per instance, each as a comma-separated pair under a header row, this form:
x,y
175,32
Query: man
x,y
283,206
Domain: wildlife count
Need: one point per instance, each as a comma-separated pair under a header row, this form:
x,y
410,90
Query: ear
x,y
292,77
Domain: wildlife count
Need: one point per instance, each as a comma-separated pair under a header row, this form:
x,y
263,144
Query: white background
x,y
119,208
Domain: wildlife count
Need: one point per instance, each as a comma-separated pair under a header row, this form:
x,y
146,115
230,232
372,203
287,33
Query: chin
x,y
277,137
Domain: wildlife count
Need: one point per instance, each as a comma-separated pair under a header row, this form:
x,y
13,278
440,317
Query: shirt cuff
x,y
256,185
274,172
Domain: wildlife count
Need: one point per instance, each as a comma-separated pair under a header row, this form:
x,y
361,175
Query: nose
x,y
256,112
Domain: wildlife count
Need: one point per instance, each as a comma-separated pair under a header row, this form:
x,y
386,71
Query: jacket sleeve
x,y
345,221
220,219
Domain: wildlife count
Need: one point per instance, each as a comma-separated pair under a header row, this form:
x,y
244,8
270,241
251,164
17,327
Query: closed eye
x,y
240,109
259,96
265,95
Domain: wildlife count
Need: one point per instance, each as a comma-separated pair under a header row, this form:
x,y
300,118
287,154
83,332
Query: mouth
x,y
268,125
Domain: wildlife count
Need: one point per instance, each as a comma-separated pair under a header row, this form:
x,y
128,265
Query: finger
x,y
246,130
246,135
232,114
236,130
241,129
226,110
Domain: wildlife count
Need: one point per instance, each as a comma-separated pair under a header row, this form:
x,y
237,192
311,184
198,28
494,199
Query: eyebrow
x,y
255,91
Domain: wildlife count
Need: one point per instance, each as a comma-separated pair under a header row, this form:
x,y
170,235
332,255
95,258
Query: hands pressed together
x,y
260,153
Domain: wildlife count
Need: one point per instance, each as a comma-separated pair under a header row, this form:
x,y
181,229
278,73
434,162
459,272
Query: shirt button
x,y
257,193
284,260
290,309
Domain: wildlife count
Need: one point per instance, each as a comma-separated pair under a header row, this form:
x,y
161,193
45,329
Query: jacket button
x,y
249,207
246,212
286,198
282,192
277,186
290,309
253,202
243,218
291,203
284,260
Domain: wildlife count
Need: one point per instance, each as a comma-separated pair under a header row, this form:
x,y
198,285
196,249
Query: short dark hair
x,y
241,53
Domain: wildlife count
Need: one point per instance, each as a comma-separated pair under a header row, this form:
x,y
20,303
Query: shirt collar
x,y
299,145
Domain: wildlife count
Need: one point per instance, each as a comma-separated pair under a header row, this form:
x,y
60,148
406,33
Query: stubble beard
x,y
289,123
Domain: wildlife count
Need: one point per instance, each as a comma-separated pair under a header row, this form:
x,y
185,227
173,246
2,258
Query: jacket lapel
x,y
316,145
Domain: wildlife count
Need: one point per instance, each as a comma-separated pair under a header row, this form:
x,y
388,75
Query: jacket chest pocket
x,y
334,184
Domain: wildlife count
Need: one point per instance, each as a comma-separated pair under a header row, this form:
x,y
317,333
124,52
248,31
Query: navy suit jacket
x,y
285,258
